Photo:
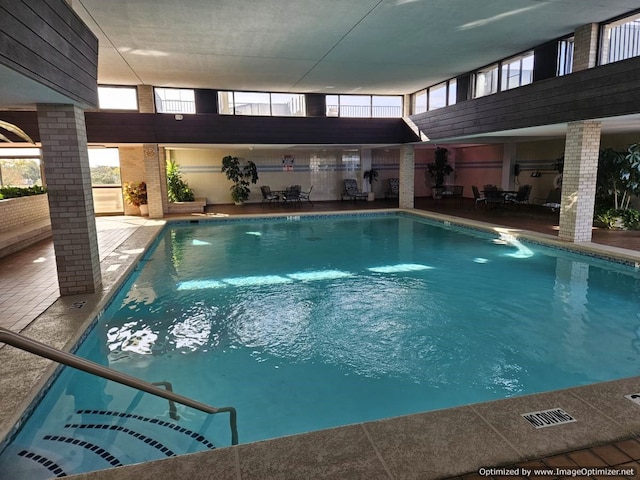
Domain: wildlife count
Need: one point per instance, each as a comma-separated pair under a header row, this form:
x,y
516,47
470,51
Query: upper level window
x,y
117,98
486,81
621,39
419,104
453,91
386,106
438,96
364,106
261,103
175,100
565,57
517,71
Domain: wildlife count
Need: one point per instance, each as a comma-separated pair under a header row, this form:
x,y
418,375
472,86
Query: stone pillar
x,y
154,178
579,181
66,163
146,103
131,171
585,47
508,163
407,174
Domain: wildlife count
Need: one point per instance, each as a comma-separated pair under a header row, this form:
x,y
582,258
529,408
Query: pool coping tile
x,y
590,428
438,444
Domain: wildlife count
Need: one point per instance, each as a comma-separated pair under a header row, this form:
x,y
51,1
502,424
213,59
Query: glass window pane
x,y
355,106
486,81
20,172
438,96
527,70
252,103
225,103
175,100
287,105
117,98
332,105
453,92
419,102
387,106
104,164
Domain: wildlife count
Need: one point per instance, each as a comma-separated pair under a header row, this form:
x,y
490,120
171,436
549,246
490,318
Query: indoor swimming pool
x,y
306,323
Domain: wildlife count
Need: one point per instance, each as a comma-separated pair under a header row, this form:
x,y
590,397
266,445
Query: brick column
x,y
585,47
153,176
579,181
146,103
66,164
407,174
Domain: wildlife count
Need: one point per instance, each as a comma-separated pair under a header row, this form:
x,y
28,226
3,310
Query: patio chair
x,y
394,188
479,198
522,197
292,194
553,200
306,196
493,196
267,195
351,190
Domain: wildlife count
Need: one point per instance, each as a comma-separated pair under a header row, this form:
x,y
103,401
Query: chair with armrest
x,y
267,195
306,196
479,198
553,200
292,194
351,190
394,188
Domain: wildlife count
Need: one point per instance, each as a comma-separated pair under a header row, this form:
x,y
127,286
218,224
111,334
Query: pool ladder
x,y
28,345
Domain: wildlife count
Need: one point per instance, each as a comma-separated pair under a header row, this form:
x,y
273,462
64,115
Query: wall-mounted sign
x,y
287,163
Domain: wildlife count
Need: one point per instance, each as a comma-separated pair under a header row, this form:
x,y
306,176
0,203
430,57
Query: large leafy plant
x,y
241,176
440,166
135,193
177,189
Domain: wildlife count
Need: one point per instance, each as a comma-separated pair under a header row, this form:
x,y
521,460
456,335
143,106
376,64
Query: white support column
x,y
579,181
407,174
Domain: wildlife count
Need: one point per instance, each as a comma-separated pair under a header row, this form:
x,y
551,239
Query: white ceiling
x,y
328,46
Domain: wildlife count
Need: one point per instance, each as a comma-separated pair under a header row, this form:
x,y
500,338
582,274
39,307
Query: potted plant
x,y
241,176
177,189
371,176
136,194
439,169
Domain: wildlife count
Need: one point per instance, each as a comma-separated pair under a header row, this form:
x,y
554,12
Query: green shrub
x,y
15,192
178,190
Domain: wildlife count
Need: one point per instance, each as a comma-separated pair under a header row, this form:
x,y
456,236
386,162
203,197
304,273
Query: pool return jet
x,y
32,346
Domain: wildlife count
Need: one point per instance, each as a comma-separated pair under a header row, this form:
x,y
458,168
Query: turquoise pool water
x,y
304,324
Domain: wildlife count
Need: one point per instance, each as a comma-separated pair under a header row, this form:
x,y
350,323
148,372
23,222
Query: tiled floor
x,y
28,287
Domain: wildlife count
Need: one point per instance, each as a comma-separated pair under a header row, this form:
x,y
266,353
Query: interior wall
x,y
535,158
324,169
478,165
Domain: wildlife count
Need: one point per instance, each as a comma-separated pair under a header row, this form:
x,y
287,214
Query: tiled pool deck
x,y
481,440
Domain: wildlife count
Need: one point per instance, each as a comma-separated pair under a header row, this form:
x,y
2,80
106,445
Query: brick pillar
x,y
66,164
585,47
146,103
407,174
579,181
131,171
153,176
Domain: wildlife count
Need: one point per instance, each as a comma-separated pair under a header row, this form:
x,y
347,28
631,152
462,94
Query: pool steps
x,y
42,350
78,444
66,449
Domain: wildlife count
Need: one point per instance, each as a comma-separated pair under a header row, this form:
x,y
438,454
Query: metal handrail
x,y
42,350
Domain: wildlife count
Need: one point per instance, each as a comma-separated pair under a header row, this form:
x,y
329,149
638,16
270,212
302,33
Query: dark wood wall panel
x,y
45,41
605,91
103,127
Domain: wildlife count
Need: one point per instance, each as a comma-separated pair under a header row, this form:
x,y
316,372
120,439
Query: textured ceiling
x,y
329,46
